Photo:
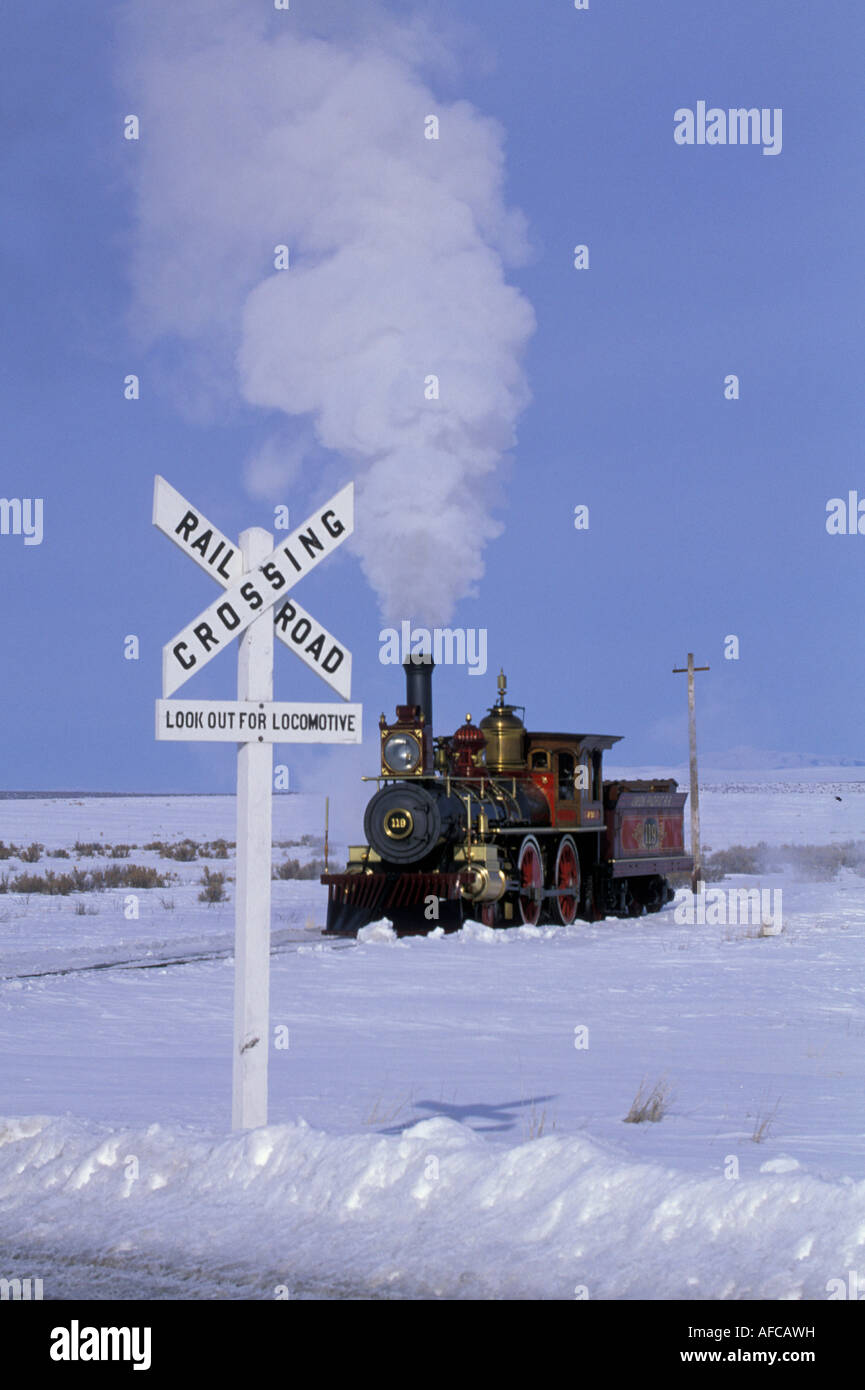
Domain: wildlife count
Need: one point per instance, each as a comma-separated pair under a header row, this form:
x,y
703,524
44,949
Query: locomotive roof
x,y
587,740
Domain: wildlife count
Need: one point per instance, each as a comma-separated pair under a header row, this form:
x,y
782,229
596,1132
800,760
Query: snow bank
x,y
435,1212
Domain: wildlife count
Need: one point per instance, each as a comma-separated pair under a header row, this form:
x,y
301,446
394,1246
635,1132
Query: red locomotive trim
x,y
646,833
544,783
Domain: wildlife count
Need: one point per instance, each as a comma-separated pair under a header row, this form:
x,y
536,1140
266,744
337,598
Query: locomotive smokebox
x,y
403,823
418,684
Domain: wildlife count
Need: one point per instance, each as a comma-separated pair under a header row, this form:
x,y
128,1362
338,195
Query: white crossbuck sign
x,y
256,579
249,595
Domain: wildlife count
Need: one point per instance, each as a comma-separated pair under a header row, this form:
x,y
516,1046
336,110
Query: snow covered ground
x,y
447,1118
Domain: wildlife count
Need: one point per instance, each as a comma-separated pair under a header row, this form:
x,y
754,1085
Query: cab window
x,y
540,759
566,765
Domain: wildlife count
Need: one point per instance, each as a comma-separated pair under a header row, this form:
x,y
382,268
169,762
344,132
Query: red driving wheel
x,y
567,878
530,870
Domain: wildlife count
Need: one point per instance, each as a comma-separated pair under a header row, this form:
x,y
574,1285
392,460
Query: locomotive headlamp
x,y
401,753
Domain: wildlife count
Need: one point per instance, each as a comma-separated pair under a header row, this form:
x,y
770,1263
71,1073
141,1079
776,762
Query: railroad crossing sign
x,y
249,596
257,579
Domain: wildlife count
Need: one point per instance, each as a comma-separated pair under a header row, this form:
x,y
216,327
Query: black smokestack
x,y
418,683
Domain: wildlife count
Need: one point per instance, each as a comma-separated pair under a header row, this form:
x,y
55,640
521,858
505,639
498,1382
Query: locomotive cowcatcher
x,y
504,826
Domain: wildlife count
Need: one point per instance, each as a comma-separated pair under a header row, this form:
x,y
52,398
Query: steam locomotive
x,y
504,826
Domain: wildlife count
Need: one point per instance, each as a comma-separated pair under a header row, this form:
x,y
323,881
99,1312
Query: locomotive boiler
x,y
502,825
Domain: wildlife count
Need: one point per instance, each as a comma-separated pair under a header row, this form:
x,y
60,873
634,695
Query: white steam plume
x,y
255,134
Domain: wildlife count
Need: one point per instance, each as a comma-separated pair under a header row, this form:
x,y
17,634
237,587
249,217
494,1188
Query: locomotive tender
x,y
504,826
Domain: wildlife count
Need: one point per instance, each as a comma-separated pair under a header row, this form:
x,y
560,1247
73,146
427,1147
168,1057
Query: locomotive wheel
x,y
530,871
593,898
653,892
633,904
567,876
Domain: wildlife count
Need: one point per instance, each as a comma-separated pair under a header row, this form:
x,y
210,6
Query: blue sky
x,y
707,516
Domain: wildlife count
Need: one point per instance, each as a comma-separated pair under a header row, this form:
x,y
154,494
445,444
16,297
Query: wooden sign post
x,y
252,888
257,579
696,851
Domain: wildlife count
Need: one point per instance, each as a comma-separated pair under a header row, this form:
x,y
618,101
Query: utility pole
x,y
696,878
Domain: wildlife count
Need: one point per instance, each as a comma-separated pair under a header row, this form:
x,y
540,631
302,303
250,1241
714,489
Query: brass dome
x,y
505,735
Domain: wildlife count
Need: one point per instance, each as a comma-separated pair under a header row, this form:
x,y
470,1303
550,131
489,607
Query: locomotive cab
x,y
569,771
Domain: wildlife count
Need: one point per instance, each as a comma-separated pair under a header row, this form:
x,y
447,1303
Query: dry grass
x,y
214,887
379,1116
765,1119
186,850
815,863
535,1124
292,868
652,1105
81,881
183,853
